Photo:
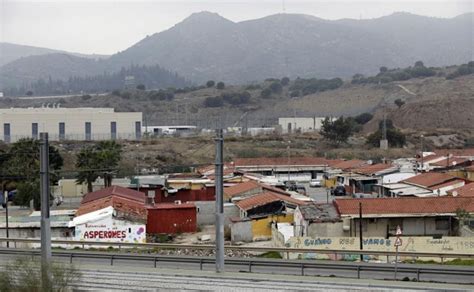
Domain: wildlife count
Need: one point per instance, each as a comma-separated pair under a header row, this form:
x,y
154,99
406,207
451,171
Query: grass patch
x,y
455,262
271,255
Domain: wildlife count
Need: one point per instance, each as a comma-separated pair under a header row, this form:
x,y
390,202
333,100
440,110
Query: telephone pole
x,y
45,220
219,201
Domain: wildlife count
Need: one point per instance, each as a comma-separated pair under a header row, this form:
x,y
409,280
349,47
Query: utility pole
x,y
289,161
5,197
360,231
45,223
422,156
219,201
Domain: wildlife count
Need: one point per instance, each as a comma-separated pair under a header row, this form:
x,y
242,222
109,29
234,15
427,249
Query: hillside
x,y
207,46
431,103
10,52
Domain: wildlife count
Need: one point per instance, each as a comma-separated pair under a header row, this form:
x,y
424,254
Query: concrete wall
x,y
207,212
63,233
48,119
300,124
325,229
241,231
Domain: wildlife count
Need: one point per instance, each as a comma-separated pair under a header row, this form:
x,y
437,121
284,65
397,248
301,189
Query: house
x,y
284,168
242,190
437,183
266,203
172,218
314,220
428,216
125,201
108,225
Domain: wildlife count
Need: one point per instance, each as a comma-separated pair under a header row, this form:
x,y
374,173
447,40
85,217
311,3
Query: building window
x,y
138,130
442,224
6,133
113,130
34,130
88,131
62,131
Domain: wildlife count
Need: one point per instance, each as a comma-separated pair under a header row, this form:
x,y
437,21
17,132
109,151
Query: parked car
x,y
338,191
315,183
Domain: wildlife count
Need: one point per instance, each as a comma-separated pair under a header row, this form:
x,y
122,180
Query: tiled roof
x,y
131,208
372,168
241,188
446,184
470,168
280,161
404,206
429,179
456,152
115,191
452,161
264,199
464,191
348,164
173,206
430,157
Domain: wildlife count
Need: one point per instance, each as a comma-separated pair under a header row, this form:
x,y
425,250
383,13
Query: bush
x,y
141,87
216,101
284,81
86,97
364,118
24,274
276,87
295,93
220,85
394,136
126,95
399,102
210,83
337,131
29,93
310,86
236,98
266,93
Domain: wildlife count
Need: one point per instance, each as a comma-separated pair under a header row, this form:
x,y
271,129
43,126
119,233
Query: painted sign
x,y
110,229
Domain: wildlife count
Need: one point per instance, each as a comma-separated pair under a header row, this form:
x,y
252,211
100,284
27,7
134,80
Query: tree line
x,y
132,76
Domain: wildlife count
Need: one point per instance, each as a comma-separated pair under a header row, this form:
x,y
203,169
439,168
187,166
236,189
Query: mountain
x,y
10,52
207,46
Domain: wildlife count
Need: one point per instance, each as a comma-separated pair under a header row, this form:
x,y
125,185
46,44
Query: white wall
x,y
48,119
301,124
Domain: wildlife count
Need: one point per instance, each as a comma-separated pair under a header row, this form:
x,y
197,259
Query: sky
x,y
109,26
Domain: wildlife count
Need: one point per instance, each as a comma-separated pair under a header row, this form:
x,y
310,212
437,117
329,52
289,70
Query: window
x,y
6,133
442,224
113,130
34,130
88,131
62,131
138,130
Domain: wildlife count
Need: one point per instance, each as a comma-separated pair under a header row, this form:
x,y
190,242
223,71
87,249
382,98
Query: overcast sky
x,y
107,26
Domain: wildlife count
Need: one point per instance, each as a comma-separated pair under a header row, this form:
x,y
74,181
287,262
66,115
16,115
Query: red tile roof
x,y
405,206
348,164
452,161
115,191
464,191
241,188
446,184
130,208
429,179
280,161
264,199
430,157
470,168
173,206
456,152
372,168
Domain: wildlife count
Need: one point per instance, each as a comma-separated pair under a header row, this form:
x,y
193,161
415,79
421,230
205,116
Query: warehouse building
x,y
80,124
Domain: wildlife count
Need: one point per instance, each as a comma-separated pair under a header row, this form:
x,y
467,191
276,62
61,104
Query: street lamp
x,y
289,160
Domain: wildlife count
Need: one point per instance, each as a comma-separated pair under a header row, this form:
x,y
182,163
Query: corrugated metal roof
x,y
264,199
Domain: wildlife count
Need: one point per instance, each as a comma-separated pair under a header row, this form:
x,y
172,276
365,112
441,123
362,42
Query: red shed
x,y
171,218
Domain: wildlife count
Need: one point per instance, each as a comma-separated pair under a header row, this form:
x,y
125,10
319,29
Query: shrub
x,y
295,93
364,118
86,97
210,83
141,87
266,93
116,92
220,85
399,102
216,101
24,274
276,87
284,81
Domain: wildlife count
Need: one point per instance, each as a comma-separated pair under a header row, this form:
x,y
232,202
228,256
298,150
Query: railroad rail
x,y
359,270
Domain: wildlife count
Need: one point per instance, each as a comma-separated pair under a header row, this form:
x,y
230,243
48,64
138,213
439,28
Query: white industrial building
x,y
292,125
69,123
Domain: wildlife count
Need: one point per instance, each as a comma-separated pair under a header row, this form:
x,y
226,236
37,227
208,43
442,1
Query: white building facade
x,y
293,125
69,124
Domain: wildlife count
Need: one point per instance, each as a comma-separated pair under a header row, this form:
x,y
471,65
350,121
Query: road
x,y
320,195
140,276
